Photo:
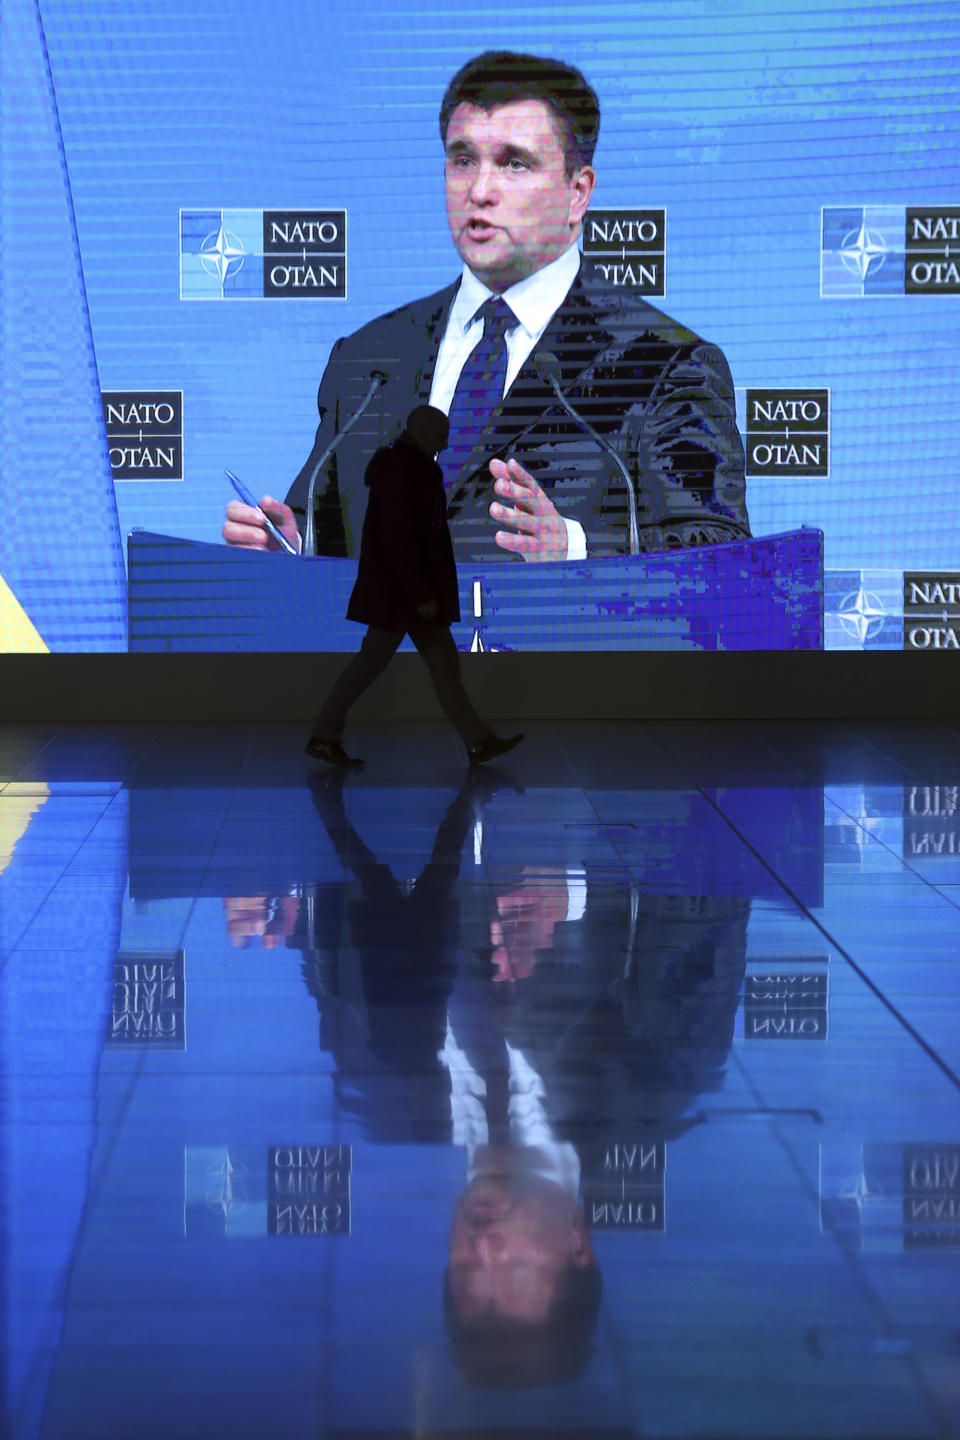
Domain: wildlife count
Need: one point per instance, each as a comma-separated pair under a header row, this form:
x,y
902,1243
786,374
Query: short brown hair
x,y
499,77
496,1352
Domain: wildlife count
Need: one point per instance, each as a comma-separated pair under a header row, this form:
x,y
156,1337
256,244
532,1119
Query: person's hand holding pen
x,y
244,525
248,523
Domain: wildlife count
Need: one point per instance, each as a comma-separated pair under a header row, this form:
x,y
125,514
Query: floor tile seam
x,y
847,730
568,759
37,1370
198,886
751,1084
939,725
128,778
858,969
876,840
64,730
218,1073
875,1302
940,1063
843,1244
114,1128
767,745
96,1180
783,760
882,1312
869,745
49,741
66,865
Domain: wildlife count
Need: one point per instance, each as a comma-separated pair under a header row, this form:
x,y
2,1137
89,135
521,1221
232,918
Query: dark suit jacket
x,y
635,1019
662,396
383,1006
406,556
623,1040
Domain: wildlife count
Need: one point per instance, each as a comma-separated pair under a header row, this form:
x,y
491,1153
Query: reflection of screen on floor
x,y
754,212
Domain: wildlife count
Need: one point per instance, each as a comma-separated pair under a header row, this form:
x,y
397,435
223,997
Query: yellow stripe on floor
x,y
18,634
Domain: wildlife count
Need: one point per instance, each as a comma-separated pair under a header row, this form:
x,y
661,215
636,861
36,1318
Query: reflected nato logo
x,y
931,826
877,250
889,1197
149,1004
263,254
237,1190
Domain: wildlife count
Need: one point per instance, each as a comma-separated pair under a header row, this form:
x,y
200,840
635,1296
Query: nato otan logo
x,y
861,614
628,247
788,432
263,254
931,610
884,250
144,433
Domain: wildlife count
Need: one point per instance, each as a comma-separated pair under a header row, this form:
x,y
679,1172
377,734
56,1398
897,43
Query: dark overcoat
x,y
406,554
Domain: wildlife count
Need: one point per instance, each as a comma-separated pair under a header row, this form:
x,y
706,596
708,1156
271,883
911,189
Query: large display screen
x,y
200,202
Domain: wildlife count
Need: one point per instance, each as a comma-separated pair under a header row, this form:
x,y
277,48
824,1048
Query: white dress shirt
x,y
534,301
527,1117
529,1127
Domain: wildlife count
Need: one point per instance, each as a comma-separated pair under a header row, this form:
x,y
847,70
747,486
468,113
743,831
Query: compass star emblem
x,y
229,1193
863,251
858,1190
222,254
861,614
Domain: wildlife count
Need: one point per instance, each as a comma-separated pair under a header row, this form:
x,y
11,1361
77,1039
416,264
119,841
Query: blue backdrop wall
x,y
786,144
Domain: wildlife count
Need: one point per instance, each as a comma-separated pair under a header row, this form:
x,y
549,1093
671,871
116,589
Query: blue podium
x,y
764,594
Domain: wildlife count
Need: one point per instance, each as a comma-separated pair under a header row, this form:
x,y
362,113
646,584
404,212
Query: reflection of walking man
x,y
428,1064
406,585
535,1024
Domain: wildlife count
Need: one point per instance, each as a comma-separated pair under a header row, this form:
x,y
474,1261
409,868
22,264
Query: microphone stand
x,y
548,368
377,378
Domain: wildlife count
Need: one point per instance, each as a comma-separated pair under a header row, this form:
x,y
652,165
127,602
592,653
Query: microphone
x,y
377,378
548,368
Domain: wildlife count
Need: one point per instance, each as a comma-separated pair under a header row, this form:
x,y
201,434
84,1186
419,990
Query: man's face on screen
x,y
511,206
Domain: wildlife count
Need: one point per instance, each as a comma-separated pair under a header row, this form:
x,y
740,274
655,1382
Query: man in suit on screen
x,y
523,479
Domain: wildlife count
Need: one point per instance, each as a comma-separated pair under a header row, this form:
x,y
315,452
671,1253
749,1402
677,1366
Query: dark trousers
x,y
436,646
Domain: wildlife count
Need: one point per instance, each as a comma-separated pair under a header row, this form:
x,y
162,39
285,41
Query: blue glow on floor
x,y
610,1092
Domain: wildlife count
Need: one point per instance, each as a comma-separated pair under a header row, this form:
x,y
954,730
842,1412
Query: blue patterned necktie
x,y
479,389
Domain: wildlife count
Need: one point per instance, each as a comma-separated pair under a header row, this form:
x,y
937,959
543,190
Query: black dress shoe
x,y
491,747
331,751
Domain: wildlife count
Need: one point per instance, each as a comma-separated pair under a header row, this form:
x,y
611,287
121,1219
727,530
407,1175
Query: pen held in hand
x,y
248,498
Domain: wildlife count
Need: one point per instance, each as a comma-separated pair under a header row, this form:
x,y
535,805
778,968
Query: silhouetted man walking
x,y
406,585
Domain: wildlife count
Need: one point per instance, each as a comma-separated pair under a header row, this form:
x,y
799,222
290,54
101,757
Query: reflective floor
x,y
613,1092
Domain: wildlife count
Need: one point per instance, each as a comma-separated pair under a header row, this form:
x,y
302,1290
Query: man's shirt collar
x,y
533,300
